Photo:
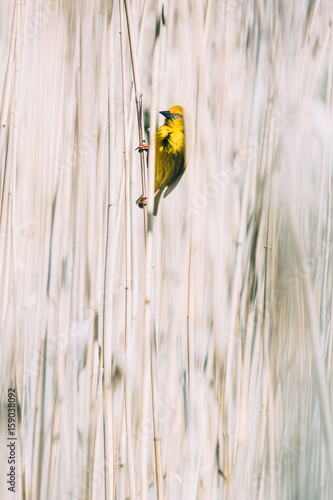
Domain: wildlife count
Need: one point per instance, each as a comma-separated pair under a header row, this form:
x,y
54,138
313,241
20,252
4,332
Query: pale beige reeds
x,y
191,357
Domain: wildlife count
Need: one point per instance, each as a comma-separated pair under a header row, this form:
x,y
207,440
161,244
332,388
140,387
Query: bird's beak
x,y
167,114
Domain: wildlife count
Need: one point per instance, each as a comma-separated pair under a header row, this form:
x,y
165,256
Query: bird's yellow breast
x,y
170,155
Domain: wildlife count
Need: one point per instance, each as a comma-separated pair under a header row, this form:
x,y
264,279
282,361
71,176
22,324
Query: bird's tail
x,y
157,201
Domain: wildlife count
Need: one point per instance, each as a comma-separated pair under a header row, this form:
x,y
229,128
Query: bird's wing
x,y
163,135
174,183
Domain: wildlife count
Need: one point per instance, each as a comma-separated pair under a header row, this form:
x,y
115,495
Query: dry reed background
x,y
241,261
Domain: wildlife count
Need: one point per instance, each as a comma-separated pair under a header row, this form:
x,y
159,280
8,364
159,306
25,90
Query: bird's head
x,y
174,117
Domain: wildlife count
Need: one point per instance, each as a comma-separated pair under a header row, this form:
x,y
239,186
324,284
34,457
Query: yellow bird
x,y
169,155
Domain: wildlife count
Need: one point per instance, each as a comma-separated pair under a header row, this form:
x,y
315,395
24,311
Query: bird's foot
x,y
142,201
142,147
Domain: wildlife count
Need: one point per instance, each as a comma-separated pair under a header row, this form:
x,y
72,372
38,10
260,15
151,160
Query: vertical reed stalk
x,y
128,288
150,331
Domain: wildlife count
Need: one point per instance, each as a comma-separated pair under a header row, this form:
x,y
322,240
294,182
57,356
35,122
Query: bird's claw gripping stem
x,y
142,201
142,147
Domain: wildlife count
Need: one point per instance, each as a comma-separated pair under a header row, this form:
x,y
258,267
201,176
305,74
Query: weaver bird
x,y
169,155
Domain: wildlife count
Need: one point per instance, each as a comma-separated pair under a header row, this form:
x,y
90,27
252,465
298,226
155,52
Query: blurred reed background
x,y
241,263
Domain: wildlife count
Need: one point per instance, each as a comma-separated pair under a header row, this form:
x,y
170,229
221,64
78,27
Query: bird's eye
x,y
176,115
